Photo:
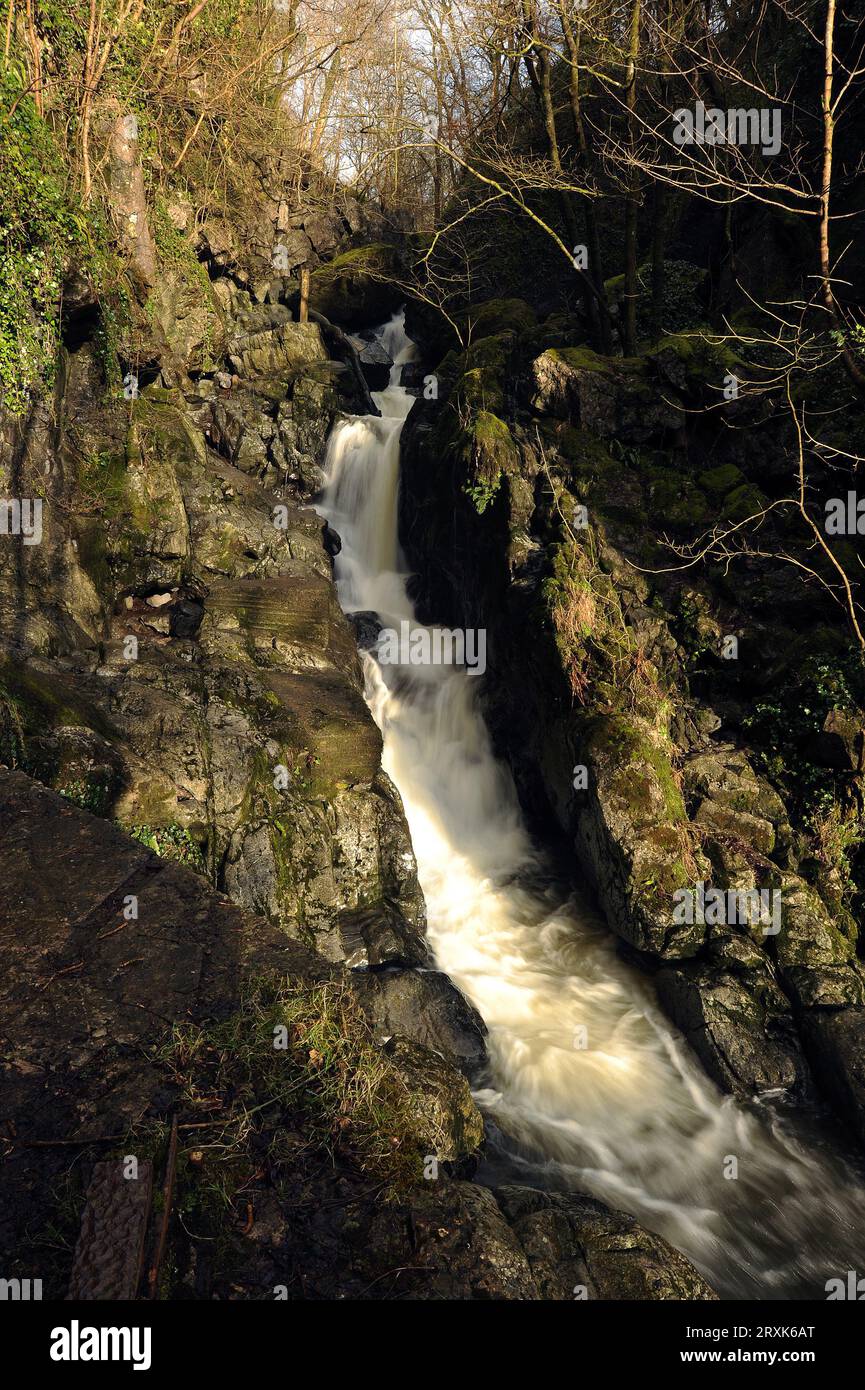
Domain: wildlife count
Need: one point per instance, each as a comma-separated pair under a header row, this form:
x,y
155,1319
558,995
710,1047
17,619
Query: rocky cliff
x,y
674,715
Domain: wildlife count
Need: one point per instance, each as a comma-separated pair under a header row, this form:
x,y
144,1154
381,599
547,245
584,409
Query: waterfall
x,y
750,1193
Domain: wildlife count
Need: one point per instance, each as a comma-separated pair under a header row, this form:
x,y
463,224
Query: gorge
x,y
432,699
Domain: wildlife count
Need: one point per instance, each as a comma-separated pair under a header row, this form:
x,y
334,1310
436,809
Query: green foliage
x,y
170,842
491,454
91,794
785,729
39,227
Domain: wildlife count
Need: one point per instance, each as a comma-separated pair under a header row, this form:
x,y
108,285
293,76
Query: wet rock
x,y
413,376
376,366
738,1023
381,936
629,841
834,1040
573,1242
445,1118
331,540
367,627
427,1007
816,960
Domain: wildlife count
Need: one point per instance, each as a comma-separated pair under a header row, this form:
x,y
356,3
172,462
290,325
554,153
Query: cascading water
x,y
630,1117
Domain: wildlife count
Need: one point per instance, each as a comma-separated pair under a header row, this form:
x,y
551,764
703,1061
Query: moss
x,y
639,763
704,357
743,501
498,316
358,285
721,479
48,701
580,447
675,502
492,454
480,384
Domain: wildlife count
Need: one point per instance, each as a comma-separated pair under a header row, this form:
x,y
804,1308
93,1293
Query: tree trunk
x,y
632,202
854,368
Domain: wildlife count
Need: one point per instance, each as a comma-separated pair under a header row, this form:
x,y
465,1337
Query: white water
x,y
631,1118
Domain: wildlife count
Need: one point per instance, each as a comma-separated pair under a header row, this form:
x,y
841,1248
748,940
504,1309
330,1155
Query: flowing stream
x,y
631,1117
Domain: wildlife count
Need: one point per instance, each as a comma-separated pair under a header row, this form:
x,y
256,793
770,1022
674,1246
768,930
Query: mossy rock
x,y
634,836
491,454
744,501
357,289
721,480
674,501
476,377
501,316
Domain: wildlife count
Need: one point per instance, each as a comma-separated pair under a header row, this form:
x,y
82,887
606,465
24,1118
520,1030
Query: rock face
x,y
536,494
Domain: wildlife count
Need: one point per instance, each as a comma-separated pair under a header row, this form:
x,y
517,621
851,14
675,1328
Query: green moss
x,y
634,754
492,454
675,502
357,284
498,316
721,479
49,701
743,501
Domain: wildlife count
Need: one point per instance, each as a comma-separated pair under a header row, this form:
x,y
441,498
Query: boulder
x,y
738,1023
376,366
282,351
612,398
427,1007
578,1248
446,1120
